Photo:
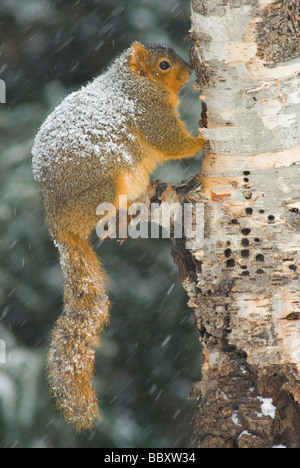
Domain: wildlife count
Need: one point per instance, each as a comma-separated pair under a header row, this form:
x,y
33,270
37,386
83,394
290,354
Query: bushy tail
x,y
75,336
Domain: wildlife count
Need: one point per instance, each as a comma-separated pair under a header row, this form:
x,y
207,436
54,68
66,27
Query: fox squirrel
x,y
101,142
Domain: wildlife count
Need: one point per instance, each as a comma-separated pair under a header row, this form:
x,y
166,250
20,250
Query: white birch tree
x,y
244,282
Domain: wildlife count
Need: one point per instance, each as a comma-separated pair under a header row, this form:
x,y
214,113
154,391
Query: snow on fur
x,y
90,122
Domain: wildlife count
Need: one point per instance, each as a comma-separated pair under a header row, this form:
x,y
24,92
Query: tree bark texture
x,y
244,282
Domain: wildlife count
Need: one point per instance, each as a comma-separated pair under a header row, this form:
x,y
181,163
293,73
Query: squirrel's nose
x,y
188,67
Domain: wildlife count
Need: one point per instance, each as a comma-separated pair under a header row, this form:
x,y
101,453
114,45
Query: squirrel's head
x,y
161,65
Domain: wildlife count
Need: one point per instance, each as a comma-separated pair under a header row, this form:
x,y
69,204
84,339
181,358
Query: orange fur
x,y
133,184
138,58
172,79
75,336
73,185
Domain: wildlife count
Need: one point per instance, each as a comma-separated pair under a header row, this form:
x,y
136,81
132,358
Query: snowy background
x,y
150,352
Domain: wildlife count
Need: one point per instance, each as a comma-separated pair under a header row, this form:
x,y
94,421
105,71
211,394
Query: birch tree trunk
x,y
244,282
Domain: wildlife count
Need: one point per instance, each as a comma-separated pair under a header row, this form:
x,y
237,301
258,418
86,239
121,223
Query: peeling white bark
x,y
250,262
254,126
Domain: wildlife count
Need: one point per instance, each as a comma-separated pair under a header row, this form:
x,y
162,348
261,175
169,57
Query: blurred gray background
x,y
150,352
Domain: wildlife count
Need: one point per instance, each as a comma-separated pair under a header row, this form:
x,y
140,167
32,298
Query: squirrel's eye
x,y
164,65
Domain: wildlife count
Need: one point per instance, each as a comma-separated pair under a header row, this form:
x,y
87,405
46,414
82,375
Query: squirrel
x,y
101,142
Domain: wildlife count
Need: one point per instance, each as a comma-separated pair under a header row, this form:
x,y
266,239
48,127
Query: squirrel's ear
x,y
138,59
